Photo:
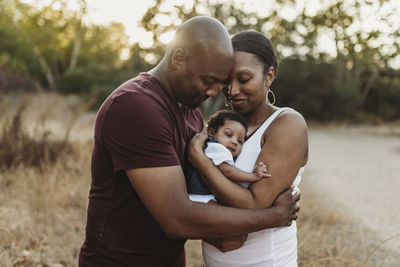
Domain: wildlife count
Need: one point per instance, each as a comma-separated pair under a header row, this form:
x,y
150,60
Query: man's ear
x,y
178,58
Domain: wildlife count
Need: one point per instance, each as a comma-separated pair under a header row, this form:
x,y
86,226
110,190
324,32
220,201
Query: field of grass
x,y
43,200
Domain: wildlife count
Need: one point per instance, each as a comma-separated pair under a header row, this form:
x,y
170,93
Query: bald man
x,y
139,212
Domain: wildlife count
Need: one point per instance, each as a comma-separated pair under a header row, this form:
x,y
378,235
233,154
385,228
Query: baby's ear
x,y
210,131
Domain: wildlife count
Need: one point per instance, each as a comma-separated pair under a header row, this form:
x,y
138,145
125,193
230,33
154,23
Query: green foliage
x,y
93,80
103,90
48,43
312,89
82,79
384,97
78,80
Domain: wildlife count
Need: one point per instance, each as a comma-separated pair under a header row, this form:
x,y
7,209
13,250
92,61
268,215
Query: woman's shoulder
x,y
288,126
290,118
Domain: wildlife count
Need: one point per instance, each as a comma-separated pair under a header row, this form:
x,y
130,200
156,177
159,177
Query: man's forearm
x,y
179,217
211,221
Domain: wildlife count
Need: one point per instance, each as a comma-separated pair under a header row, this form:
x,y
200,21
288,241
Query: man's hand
x,y
287,205
227,243
196,145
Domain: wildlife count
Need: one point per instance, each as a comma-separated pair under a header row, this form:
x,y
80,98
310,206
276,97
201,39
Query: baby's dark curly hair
x,y
218,119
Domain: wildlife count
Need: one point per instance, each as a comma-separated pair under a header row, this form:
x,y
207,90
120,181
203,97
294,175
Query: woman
x,y
276,137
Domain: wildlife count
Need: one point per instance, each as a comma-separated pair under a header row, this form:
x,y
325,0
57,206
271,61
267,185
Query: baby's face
x,y
231,135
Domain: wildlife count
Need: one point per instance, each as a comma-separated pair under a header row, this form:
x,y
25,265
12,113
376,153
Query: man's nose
x,y
213,90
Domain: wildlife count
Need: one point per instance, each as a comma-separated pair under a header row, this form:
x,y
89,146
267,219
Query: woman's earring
x,y
226,102
273,95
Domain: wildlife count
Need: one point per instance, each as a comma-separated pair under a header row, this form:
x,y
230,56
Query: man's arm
x,y
163,192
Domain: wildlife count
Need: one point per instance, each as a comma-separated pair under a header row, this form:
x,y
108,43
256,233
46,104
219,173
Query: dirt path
x,y
358,171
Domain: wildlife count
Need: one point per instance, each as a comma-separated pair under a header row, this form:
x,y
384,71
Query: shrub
x,y
18,147
315,91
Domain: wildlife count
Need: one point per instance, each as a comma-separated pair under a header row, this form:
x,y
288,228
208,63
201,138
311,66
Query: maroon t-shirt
x,y
138,126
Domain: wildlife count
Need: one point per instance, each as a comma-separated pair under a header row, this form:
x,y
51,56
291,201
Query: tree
x,y
53,40
346,78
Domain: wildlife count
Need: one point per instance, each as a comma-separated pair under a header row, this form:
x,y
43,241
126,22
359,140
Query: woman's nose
x,y
234,88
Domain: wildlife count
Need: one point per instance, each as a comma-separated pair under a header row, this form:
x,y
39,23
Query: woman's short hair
x,y
259,45
218,119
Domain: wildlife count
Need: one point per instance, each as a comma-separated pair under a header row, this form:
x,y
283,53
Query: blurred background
x,y
339,65
338,59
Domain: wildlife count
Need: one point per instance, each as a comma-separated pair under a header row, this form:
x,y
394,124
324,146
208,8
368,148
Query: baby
x,y
227,131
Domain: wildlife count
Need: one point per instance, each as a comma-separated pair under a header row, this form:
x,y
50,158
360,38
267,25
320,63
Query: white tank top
x,y
271,247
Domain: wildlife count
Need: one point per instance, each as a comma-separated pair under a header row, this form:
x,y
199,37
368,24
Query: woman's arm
x,y
284,151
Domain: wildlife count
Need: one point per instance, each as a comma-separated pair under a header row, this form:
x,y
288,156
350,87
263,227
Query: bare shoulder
x,y
289,122
288,132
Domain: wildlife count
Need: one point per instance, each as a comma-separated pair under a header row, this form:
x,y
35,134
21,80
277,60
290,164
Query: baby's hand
x,y
260,171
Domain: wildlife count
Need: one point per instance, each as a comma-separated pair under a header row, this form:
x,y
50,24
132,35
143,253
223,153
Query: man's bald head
x,y
198,59
202,34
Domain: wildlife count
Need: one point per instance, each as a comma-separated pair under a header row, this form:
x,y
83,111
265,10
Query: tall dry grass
x,y
44,181
29,150
43,209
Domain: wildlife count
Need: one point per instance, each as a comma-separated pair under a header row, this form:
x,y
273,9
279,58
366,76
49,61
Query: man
x,y
139,212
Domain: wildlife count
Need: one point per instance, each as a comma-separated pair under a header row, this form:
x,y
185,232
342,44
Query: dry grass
x,y
43,214
44,186
28,150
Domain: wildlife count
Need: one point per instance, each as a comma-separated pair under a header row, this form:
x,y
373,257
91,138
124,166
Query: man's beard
x,y
193,106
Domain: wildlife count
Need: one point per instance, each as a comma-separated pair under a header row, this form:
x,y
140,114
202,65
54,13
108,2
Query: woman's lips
x,y
237,102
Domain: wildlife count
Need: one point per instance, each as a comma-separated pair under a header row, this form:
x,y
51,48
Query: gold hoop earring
x,y
273,95
226,102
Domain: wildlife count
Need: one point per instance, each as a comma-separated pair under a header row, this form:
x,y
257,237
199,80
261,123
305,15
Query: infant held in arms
x,y
226,134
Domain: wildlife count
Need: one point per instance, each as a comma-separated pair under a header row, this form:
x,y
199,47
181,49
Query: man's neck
x,y
160,71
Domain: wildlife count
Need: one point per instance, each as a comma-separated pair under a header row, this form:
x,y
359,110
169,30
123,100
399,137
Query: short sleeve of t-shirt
x,y
218,154
138,133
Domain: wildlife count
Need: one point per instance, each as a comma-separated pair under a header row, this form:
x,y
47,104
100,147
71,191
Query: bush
x,y
79,80
93,80
18,147
313,89
384,98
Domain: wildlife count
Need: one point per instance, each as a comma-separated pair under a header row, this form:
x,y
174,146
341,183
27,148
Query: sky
x,y
129,13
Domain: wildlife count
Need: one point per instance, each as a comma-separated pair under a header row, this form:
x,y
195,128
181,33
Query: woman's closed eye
x,y
244,79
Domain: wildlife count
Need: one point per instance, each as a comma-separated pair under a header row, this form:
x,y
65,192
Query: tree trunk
x,y
367,88
46,69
